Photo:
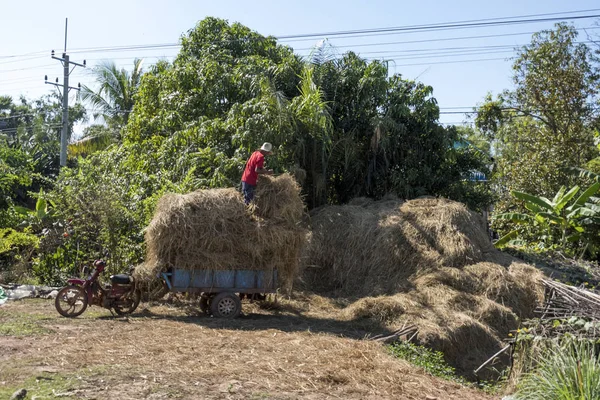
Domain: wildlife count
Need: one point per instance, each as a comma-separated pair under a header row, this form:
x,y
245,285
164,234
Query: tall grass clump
x,y
568,371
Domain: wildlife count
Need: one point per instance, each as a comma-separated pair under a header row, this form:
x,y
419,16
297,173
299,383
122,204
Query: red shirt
x,y
256,160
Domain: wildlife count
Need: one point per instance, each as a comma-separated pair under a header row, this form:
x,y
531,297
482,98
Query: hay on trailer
x,y
278,198
213,229
427,262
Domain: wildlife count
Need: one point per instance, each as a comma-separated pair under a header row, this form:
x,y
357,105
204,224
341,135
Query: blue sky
x,y
38,26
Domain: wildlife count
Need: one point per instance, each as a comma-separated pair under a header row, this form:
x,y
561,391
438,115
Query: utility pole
x,y
65,96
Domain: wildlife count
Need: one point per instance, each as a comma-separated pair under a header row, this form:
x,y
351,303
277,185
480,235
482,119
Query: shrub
x,y
568,371
15,248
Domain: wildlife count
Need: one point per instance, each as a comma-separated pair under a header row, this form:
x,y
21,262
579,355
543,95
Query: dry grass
x,y
200,357
213,229
368,248
427,262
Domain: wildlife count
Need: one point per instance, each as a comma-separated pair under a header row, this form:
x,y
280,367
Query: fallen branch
x,y
410,330
491,358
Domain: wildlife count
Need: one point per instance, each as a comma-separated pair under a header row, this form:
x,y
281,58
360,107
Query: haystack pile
x,y
213,229
427,262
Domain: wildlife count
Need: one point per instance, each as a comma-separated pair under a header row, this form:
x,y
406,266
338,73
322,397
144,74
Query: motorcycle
x,y
122,295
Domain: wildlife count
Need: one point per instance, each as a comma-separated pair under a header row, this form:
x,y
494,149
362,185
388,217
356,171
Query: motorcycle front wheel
x,y
130,303
71,301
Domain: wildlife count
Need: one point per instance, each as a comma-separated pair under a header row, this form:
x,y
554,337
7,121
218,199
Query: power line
x,y
442,39
369,32
22,59
13,130
17,116
443,26
26,68
175,45
499,21
23,55
442,50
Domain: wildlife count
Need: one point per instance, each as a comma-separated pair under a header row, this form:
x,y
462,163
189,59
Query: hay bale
x,y
465,335
278,198
368,248
213,229
427,262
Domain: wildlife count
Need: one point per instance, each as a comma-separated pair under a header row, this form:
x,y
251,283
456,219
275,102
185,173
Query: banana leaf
x,y
574,212
559,195
41,208
589,192
595,200
22,210
518,218
566,198
534,208
539,201
593,207
553,218
506,238
584,173
586,212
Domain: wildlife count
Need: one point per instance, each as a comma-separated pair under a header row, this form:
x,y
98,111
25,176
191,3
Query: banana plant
x,y
570,220
43,210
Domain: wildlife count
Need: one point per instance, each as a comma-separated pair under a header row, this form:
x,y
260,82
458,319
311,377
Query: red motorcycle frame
x,y
122,295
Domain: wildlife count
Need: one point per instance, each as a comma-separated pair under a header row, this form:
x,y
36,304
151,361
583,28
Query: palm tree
x,y
314,127
115,97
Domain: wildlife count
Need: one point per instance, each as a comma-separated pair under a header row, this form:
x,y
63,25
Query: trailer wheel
x,y
226,305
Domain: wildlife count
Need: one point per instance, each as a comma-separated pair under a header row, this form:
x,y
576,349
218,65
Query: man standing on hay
x,y
254,167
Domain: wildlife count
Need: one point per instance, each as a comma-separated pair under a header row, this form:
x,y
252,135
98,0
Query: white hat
x,y
267,147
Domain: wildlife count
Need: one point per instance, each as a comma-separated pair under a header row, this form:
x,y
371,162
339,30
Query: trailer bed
x,y
210,281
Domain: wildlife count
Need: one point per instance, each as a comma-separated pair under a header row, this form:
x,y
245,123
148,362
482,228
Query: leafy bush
x,y
554,224
15,248
12,240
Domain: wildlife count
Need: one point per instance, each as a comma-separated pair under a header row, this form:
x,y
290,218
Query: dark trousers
x,y
248,192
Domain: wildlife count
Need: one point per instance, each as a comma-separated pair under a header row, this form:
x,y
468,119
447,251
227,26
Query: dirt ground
x,y
175,352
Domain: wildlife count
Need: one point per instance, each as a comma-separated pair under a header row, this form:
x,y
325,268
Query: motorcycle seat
x,y
120,279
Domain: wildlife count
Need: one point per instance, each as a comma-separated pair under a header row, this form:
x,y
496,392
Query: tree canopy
x,y
548,121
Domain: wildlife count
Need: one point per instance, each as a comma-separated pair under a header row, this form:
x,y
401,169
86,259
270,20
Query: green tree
x,y
115,97
547,122
16,169
30,142
314,125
